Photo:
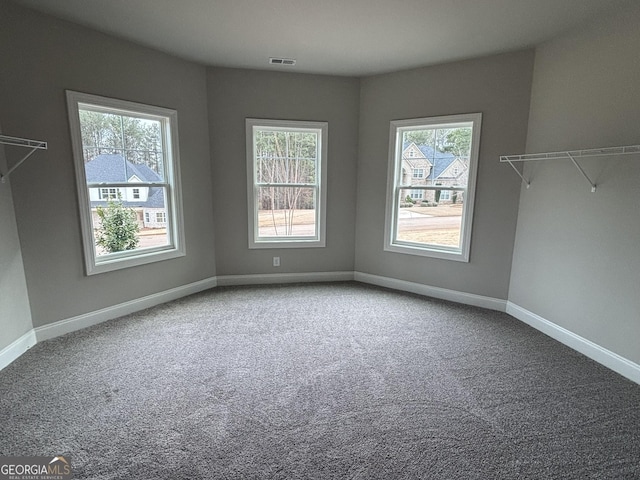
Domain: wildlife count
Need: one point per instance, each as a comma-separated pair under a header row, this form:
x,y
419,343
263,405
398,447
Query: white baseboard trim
x,y
612,360
435,292
605,357
12,351
68,325
273,278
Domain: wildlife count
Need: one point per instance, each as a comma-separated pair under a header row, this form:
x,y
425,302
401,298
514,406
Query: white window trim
x,y
255,242
173,194
460,254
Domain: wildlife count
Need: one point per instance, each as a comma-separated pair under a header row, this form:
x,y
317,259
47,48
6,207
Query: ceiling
x,y
340,37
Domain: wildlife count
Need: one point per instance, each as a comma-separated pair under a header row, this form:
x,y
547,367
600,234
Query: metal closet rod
x,y
21,142
571,155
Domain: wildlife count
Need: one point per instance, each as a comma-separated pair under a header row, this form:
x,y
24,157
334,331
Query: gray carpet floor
x,y
319,381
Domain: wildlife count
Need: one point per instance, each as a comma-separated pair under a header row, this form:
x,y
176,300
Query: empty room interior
x,y
391,239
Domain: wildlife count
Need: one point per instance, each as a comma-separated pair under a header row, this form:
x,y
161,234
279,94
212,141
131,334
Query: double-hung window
x,y
440,224
127,172
286,165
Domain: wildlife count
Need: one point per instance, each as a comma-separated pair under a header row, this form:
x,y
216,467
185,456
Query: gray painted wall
x,y
15,314
40,58
499,87
576,259
237,94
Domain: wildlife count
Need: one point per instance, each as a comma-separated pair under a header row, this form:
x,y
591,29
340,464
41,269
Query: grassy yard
x,y
439,211
446,236
268,218
440,235
432,232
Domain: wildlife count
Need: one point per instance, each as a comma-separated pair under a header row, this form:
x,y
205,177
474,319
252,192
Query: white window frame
x,y
418,173
394,185
254,125
175,228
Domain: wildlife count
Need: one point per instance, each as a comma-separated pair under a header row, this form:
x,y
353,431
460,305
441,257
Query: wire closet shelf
x,y
571,155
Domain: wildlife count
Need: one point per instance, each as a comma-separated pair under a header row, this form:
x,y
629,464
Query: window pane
x,y
424,222
286,157
138,141
101,133
124,223
436,156
286,212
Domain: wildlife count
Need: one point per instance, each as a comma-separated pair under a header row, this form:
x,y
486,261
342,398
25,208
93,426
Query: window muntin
x,y
109,193
439,225
286,163
119,144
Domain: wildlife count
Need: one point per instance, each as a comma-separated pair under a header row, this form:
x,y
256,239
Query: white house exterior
x,y
147,201
422,165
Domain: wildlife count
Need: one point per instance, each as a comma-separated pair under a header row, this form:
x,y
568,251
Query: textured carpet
x,y
319,381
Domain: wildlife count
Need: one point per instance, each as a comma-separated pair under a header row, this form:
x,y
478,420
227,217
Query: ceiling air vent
x,y
281,61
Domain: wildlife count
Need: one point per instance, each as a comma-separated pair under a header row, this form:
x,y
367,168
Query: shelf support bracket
x,y
593,185
2,177
20,142
527,182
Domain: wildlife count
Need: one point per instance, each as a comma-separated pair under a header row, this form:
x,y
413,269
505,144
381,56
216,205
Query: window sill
x,y
287,244
432,251
143,258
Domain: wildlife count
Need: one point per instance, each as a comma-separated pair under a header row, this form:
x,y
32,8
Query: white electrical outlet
x,y
276,261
